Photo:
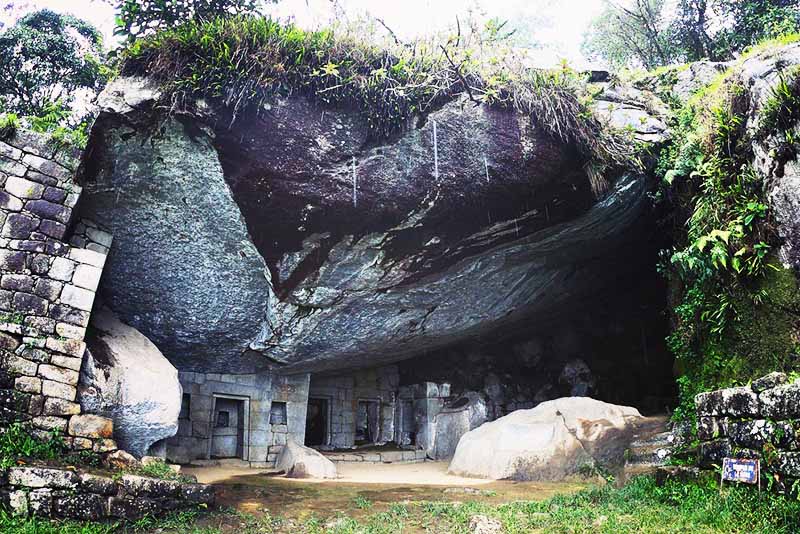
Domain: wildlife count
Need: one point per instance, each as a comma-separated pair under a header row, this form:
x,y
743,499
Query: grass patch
x,y
245,62
18,444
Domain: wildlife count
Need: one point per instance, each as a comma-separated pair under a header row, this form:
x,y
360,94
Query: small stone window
x,y
186,406
223,419
277,413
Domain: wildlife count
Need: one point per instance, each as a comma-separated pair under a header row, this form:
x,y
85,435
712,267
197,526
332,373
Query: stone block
x,y
49,210
16,365
54,194
131,508
70,347
139,486
99,236
30,304
19,226
105,445
48,289
70,331
50,422
9,202
40,502
53,406
35,405
197,493
12,261
91,426
711,453
87,277
53,229
9,152
35,354
782,402
28,384
22,188
16,282
82,444
77,297
68,314
38,326
58,374
8,342
59,390
67,362
87,257
84,506
18,502
6,300
788,464
47,167
40,264
98,484
736,402
769,381
62,269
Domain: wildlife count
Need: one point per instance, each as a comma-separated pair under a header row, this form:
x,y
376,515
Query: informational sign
x,y
741,470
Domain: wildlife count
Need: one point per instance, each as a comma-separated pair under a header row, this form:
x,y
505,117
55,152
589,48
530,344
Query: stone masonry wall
x,y
47,289
761,421
66,494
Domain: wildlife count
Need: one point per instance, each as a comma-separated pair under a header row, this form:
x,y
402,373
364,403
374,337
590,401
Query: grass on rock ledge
x,y
245,62
641,507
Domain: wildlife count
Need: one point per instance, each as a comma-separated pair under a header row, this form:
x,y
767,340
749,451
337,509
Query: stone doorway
x,y
317,422
368,422
229,427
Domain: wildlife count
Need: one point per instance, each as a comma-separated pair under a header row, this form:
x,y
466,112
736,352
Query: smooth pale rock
x,y
120,460
549,442
125,377
299,461
481,524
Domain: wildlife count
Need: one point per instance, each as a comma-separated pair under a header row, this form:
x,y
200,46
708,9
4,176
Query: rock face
x,y
299,461
125,377
549,442
294,234
182,270
465,414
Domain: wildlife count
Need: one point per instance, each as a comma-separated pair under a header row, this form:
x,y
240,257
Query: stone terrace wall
x,y
47,289
761,420
62,493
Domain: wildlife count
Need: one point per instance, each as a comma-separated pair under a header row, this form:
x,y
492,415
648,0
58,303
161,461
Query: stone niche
x,y
761,421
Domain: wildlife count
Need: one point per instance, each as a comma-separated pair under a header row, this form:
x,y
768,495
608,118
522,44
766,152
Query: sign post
x,y
741,470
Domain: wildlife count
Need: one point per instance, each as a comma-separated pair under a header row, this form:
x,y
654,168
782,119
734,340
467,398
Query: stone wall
x,y
761,420
343,392
262,440
47,289
66,494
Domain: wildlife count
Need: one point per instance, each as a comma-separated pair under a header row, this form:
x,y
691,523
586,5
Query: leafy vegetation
x,y
18,443
45,59
245,62
138,18
652,33
733,305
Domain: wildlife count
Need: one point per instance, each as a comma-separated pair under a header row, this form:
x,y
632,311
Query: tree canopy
x,y
44,59
141,17
650,33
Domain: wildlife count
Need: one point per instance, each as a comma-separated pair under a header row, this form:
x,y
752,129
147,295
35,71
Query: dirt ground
x,y
381,485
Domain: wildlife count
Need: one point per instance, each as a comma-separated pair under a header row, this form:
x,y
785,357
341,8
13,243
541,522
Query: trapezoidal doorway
x,y
368,422
317,422
230,427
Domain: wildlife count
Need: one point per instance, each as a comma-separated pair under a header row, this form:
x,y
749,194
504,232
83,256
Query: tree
x,y
751,21
141,17
44,59
689,31
632,33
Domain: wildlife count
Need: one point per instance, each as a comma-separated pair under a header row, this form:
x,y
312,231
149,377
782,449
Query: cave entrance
x,y
317,422
368,422
230,427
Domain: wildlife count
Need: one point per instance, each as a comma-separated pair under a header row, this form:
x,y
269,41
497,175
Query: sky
x,y
558,24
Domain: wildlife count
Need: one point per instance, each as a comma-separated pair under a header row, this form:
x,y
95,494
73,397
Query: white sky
x,y
562,34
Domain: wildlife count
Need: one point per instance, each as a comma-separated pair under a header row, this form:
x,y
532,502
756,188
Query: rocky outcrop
x,y
125,377
554,440
298,461
320,249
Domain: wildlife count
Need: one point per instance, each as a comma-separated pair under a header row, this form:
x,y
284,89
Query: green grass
x,y
243,63
641,507
17,443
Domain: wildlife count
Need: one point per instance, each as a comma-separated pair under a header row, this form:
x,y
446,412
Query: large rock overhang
x,y
239,248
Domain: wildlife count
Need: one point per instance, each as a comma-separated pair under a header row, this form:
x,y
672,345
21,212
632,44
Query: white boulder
x,y
126,378
549,442
298,461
